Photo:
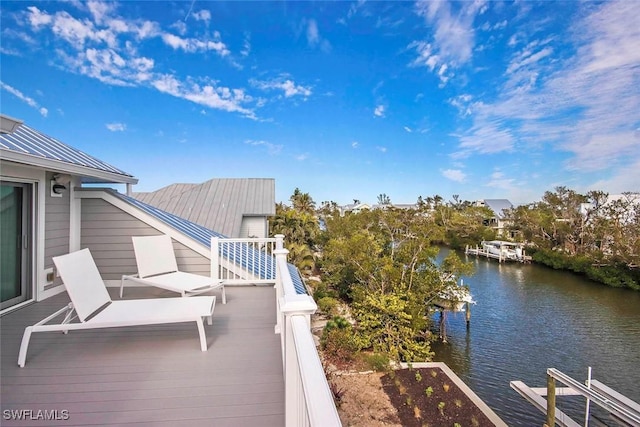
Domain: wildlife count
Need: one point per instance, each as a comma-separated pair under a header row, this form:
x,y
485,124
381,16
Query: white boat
x,y
505,250
500,250
454,297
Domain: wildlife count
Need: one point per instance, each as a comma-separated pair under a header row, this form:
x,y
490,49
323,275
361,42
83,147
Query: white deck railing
x,y
308,398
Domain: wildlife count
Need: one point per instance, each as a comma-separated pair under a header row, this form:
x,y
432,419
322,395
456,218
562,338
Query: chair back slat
x,y
82,279
154,255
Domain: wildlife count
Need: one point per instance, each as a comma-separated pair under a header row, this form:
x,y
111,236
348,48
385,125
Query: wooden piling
x,y
467,313
551,401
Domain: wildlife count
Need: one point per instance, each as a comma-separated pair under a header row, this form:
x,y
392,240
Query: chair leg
x,y
203,337
22,355
121,286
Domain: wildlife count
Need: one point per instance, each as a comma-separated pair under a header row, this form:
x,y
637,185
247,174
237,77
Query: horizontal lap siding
x,y
56,227
107,231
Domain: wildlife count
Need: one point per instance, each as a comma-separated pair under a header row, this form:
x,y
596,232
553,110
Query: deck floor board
x,y
150,375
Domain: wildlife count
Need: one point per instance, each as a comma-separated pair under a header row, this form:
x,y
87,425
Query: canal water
x,y
529,318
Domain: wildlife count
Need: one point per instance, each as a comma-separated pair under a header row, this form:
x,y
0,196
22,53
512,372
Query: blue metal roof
x,y
28,141
237,252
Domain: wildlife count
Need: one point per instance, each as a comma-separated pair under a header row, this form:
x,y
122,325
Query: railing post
x,y
215,258
279,241
280,259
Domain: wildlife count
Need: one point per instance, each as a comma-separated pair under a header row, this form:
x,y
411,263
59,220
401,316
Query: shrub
x,y
339,345
328,305
378,362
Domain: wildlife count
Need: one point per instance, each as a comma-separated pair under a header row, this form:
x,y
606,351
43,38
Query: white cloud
x,y
379,111
381,149
209,95
202,15
408,129
355,144
499,180
194,45
302,157
116,127
24,98
314,39
246,45
272,149
288,86
583,105
106,48
451,44
454,175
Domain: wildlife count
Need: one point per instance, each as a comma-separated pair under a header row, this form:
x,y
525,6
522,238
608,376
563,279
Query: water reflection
x,y
529,318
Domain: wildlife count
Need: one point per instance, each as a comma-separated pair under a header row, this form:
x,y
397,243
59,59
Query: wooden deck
x,y
151,375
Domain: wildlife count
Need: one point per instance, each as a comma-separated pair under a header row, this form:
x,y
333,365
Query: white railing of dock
x,y
308,398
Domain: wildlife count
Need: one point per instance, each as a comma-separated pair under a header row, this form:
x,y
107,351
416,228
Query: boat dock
x,y
499,250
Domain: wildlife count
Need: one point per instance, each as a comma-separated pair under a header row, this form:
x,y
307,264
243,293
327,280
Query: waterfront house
x,y
234,207
261,352
500,208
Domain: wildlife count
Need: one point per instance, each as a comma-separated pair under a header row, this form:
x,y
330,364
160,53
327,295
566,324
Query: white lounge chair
x,y
157,266
94,308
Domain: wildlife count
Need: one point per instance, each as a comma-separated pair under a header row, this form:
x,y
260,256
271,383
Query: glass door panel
x,y
15,238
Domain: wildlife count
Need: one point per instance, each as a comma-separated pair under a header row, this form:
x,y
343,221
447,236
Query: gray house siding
x,y
253,227
107,231
56,226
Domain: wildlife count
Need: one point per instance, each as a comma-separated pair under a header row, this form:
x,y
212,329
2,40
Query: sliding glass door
x,y
15,243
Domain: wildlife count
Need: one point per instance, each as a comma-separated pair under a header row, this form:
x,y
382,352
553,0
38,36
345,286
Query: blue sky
x,y
345,100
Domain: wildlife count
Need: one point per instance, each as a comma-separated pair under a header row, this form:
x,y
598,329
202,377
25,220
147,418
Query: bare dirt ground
x,y
363,401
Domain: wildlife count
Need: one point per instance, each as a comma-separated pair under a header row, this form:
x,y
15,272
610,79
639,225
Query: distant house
x,y
235,207
353,208
500,208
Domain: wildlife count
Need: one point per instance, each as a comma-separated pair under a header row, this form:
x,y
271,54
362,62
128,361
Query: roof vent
x,y
8,124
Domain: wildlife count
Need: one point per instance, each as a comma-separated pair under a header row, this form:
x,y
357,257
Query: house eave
x,y
90,175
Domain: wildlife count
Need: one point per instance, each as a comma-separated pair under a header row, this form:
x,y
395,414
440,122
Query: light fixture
x,y
59,184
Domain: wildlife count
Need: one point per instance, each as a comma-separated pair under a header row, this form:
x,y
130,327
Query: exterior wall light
x,y
59,184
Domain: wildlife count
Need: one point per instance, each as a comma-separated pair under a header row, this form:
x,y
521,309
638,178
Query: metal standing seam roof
x,y
218,204
203,235
498,206
28,141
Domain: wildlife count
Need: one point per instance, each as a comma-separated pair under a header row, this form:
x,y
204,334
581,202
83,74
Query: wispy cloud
x,y
194,45
408,129
582,105
313,36
454,175
499,180
102,48
381,149
451,44
24,98
288,86
246,45
355,144
271,148
116,127
207,94
379,111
